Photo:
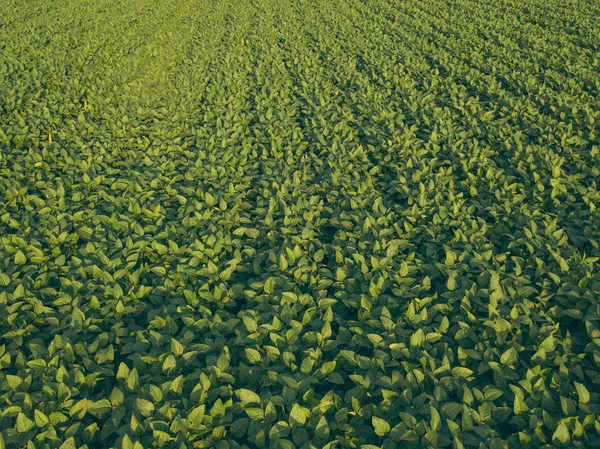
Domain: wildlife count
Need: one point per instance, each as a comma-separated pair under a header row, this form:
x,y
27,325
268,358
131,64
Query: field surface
x,y
299,224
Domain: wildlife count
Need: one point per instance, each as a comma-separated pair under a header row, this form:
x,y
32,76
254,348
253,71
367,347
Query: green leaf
x,y
210,200
100,408
374,289
561,435
269,285
494,281
68,444
250,323
450,258
145,407
20,258
283,263
23,423
319,255
285,444
451,284
451,409
223,360
239,427
160,271
40,419
280,430
247,396
160,248
123,372
462,372
196,415
520,406
549,344
253,355
4,280
176,348
116,397
582,392
225,275
169,364
417,338
564,266
436,422
297,415
127,443
381,426
255,413
322,431
509,357
252,233
13,381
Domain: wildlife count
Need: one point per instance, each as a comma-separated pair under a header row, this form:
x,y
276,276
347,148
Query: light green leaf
x,y
169,364
436,422
297,415
280,430
253,355
255,413
40,419
451,284
23,423
145,407
520,406
509,357
417,338
247,396
210,200
4,280
494,281
561,435
250,323
100,408
176,348
381,426
450,258
116,397
322,431
13,381
269,285
582,392
68,444
252,233
20,258
127,443
123,372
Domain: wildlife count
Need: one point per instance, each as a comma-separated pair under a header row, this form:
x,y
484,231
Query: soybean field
x,y
361,224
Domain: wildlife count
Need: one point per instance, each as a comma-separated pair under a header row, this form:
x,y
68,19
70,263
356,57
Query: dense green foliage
x,y
303,224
